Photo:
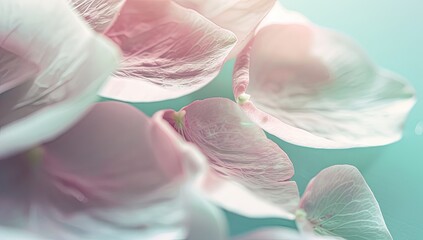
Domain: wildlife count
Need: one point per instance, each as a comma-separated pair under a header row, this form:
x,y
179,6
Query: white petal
x,y
72,62
314,87
338,202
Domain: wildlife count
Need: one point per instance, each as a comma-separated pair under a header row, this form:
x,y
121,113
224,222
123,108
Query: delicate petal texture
x,y
71,62
239,16
100,14
314,87
169,51
109,179
246,167
280,234
339,202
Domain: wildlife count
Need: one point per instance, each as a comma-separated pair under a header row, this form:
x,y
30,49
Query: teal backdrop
x,y
391,31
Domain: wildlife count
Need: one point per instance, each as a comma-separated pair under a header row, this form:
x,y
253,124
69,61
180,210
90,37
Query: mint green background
x,y
391,31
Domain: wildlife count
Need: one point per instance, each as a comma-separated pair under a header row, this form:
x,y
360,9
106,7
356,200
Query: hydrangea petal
x,y
239,16
247,167
339,202
314,87
169,51
100,14
101,180
280,234
71,60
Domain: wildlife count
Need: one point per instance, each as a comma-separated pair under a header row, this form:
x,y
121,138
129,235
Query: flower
x,y
250,175
51,63
116,174
307,85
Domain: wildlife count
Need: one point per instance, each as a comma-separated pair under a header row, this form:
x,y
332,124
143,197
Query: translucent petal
x,y
247,167
239,16
314,87
100,14
169,51
206,222
339,202
280,234
16,77
103,179
13,234
71,60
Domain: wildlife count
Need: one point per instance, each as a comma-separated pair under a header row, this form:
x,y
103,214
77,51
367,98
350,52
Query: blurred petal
x,y
247,168
100,14
280,234
16,77
239,16
13,234
339,202
314,87
71,62
207,222
169,51
109,179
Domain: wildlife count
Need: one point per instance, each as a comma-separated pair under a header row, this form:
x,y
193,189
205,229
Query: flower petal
x,y
72,63
207,222
314,87
109,179
169,51
280,234
339,202
100,14
16,77
239,16
13,234
246,166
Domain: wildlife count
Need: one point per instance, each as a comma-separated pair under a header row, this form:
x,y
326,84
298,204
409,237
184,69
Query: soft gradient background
x,y
392,34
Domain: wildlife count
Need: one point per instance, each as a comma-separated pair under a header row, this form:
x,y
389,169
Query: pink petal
x,y
339,202
109,179
247,168
280,234
100,14
169,51
314,87
239,16
72,63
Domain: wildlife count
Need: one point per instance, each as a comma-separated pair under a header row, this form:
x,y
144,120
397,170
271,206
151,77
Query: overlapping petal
x,y
250,174
239,16
339,202
314,87
51,64
100,14
280,234
111,179
169,51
